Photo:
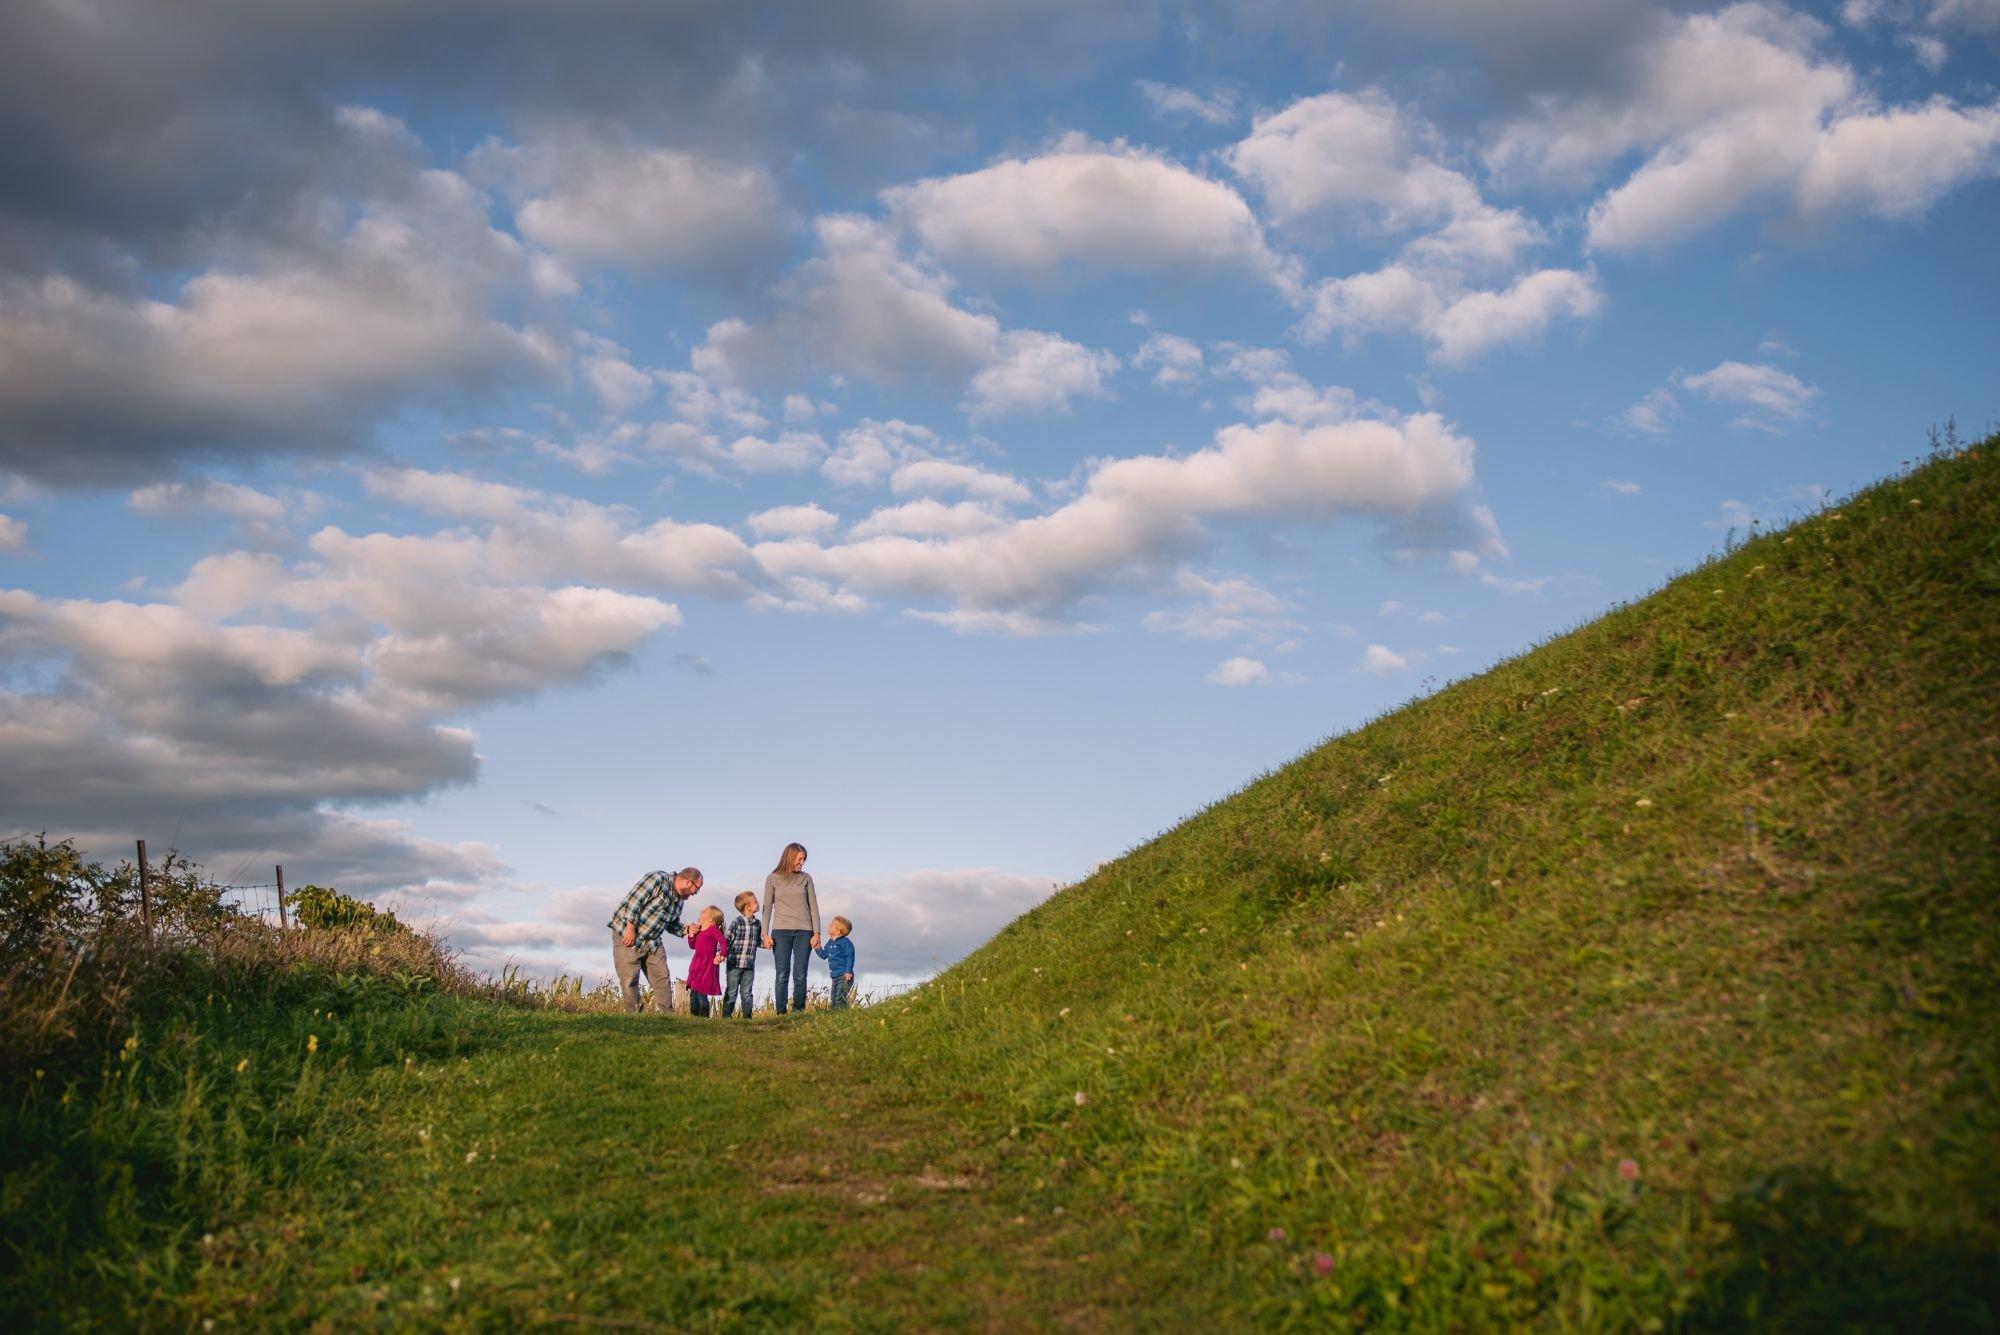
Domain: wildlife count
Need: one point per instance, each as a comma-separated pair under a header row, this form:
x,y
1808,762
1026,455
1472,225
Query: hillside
x,y
1648,979
1652,971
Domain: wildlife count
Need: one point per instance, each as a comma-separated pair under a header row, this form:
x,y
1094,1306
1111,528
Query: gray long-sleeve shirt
x,y
791,903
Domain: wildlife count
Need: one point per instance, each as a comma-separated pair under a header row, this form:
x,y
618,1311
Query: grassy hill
x,y
1651,972
1647,980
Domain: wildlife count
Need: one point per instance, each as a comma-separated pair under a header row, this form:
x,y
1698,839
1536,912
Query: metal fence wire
x,y
258,901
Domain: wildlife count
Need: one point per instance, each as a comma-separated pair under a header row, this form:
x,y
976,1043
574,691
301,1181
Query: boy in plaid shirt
x,y
744,936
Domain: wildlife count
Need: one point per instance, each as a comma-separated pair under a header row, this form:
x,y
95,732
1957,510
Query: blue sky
x,y
477,458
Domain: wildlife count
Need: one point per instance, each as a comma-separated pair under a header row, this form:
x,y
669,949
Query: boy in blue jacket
x,y
838,952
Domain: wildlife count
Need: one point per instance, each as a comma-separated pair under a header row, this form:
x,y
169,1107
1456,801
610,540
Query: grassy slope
x,y
1707,886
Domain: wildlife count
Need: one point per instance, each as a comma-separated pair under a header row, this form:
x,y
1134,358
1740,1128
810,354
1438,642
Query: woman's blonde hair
x,y
789,860
846,927
711,914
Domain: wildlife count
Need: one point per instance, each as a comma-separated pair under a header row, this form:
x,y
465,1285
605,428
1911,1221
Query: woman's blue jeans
x,y
791,951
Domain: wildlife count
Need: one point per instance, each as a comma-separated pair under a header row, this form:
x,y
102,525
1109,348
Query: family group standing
x,y
724,959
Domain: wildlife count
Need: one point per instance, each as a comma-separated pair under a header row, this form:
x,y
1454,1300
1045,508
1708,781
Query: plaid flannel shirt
x,y
745,935
652,908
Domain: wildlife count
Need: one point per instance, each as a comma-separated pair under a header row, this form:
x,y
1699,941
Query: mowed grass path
x,y
641,1171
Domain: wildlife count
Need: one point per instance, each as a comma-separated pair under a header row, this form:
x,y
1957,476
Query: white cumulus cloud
x,y
1653,415
864,309
1092,206
1742,110
1178,105
1175,362
604,201
183,500
1383,661
1772,399
1035,372
1217,609
1250,672
1133,518
793,521
1358,162
405,297
932,477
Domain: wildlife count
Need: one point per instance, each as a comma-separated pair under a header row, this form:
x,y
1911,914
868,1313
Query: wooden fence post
x,y
283,926
145,890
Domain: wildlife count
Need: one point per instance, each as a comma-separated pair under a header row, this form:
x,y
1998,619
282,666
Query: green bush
x,y
49,900
323,909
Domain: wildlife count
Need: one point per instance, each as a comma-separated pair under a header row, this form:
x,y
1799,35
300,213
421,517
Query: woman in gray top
x,y
791,924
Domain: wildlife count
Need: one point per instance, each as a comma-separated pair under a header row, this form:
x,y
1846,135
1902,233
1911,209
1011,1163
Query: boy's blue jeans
x,y
843,993
736,989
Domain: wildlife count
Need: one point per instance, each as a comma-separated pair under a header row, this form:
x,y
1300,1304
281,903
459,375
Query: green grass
x,y
1647,980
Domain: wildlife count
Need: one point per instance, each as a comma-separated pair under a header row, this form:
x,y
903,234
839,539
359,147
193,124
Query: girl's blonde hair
x,y
711,915
743,899
789,860
846,927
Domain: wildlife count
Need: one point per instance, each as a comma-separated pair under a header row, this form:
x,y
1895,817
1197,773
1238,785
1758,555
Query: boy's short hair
x,y
743,899
844,924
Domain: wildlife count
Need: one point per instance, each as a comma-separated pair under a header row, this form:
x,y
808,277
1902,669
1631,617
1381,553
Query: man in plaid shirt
x,y
745,934
648,915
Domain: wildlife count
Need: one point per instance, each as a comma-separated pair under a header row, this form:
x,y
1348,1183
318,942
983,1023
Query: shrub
x,y
49,900
77,968
322,909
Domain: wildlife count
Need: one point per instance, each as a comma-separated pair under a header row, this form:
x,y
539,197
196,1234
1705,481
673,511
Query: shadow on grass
x,y
1808,1258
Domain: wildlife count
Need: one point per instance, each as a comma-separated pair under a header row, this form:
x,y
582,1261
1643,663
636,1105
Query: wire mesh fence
x,y
257,901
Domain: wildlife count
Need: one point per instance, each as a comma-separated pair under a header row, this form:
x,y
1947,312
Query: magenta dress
x,y
704,974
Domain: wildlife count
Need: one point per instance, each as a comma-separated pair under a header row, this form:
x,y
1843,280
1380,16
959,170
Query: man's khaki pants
x,y
628,961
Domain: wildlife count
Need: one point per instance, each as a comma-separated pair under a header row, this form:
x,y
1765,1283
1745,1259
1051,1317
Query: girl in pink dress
x,y
710,948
